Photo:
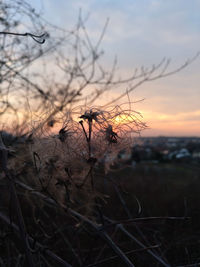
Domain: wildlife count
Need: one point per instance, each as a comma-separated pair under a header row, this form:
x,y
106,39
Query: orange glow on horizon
x,y
179,124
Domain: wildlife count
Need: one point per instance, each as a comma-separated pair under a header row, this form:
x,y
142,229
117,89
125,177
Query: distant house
x,y
183,153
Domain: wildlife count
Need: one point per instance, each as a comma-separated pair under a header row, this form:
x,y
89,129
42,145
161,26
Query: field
x,y
163,190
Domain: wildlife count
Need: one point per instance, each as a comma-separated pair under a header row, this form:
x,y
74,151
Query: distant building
x,y
183,153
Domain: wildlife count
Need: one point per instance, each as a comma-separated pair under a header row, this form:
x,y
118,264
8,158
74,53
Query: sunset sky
x,y
141,33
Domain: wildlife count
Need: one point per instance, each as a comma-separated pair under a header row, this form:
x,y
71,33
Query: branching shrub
x,y
57,160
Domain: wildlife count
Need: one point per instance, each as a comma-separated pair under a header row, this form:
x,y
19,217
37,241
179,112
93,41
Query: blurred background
x,y
142,33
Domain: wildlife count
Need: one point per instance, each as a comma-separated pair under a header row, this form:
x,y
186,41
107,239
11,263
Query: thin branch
x,y
122,228
147,76
36,38
96,227
37,244
127,253
16,203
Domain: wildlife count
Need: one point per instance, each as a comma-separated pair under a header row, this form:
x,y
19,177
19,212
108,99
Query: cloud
x,y
142,32
181,124
193,116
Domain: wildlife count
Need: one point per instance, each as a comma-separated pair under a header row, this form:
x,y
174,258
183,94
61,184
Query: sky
x,y
142,33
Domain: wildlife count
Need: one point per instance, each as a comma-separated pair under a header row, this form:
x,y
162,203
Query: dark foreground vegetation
x,y
151,213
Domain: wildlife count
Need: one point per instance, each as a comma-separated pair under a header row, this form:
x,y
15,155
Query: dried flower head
x,y
90,115
51,123
111,136
63,134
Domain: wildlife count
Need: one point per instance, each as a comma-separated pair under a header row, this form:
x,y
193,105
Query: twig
x,y
147,76
16,203
136,220
190,265
83,218
40,246
96,227
33,36
127,253
122,201
122,228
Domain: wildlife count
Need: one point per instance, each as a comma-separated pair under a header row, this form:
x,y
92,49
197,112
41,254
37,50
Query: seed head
x,y
111,136
90,115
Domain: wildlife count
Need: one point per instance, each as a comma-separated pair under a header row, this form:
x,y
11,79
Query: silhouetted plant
x,y
59,173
